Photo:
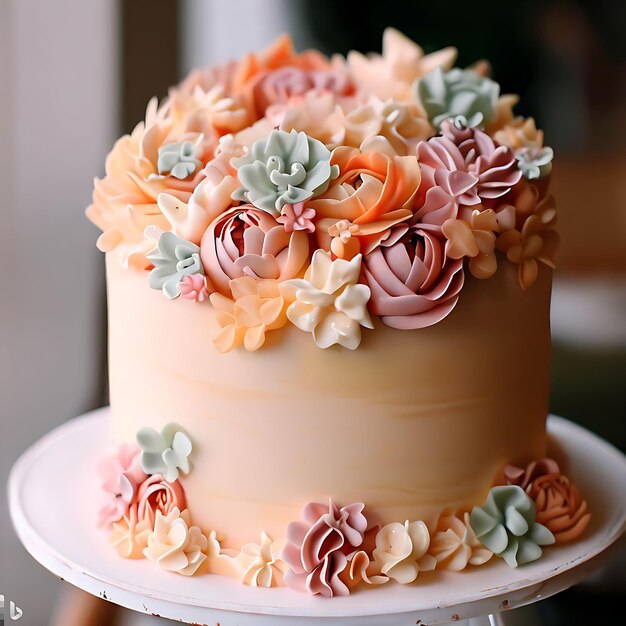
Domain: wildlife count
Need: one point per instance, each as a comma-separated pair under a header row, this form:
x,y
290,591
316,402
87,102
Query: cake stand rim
x,y
74,573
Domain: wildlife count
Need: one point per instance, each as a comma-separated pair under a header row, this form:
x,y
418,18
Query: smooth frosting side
x,y
414,423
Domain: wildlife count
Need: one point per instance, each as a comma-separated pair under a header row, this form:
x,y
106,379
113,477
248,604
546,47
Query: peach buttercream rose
x,y
247,241
560,507
374,191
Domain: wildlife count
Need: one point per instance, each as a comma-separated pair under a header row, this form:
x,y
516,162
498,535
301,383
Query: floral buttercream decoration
x,y
316,547
297,217
121,475
173,259
262,564
193,287
507,526
329,302
402,551
285,168
175,545
130,535
345,242
458,92
158,494
256,307
189,220
455,545
166,452
475,239
534,162
560,507
391,74
520,133
536,242
178,159
524,476
374,191
413,283
247,241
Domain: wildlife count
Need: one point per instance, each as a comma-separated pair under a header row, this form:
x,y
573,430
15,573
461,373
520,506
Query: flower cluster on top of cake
x,y
291,188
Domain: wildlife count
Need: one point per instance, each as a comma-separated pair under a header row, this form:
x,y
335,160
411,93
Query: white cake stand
x,y
53,506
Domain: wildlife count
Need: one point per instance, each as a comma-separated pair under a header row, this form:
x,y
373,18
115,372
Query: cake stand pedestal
x,y
53,507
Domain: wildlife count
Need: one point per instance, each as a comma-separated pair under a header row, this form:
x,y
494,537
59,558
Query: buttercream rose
x,y
413,283
157,494
247,241
374,191
317,547
560,507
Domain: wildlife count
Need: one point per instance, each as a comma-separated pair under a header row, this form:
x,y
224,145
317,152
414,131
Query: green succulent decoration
x,y
178,159
506,525
164,453
534,162
457,93
284,168
173,258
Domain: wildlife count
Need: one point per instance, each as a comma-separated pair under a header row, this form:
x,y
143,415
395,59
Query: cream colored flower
x,y
175,545
401,551
329,302
391,74
261,563
256,308
402,124
454,544
130,536
209,199
520,133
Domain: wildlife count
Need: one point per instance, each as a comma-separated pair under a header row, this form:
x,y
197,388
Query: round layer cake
x,y
411,423
329,290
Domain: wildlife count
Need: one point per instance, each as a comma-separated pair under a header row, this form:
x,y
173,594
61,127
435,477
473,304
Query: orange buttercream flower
x,y
521,132
560,506
536,241
373,192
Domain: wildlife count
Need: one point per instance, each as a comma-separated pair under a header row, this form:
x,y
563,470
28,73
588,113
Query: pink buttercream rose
x,y
318,548
157,494
121,475
413,283
247,241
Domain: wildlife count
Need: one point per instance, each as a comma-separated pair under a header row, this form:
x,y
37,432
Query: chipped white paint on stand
x,y
53,504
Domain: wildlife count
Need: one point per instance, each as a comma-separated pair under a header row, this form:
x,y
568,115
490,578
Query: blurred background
x,y
75,75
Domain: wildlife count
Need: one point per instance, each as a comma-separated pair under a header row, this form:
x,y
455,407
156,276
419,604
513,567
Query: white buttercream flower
x,y
262,566
329,302
455,545
175,545
401,551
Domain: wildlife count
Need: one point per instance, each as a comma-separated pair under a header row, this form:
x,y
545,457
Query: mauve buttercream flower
x,y
247,241
297,217
317,547
121,475
413,283
157,494
193,287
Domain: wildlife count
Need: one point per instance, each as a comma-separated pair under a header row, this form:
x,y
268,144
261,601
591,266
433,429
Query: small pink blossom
x,y
193,287
297,217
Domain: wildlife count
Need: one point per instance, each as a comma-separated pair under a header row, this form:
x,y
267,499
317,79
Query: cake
x,y
328,299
